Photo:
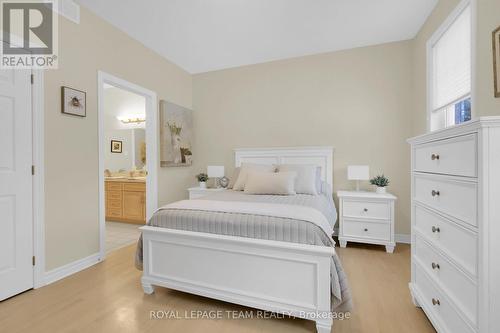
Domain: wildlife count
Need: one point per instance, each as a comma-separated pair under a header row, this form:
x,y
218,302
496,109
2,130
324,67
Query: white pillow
x,y
239,185
305,183
270,183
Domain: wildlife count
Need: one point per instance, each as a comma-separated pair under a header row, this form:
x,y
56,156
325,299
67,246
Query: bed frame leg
x,y
148,288
324,325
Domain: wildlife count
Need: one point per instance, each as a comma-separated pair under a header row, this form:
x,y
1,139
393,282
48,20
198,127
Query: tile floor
x,y
119,235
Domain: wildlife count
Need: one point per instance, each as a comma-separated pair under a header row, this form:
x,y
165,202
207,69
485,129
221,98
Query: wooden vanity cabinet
x,y
126,201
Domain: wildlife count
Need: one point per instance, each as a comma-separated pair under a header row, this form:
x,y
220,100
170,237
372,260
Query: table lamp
x,y
357,173
215,171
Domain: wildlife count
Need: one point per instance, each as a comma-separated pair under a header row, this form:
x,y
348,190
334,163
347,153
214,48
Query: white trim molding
x,y
152,152
69,9
38,178
71,268
403,238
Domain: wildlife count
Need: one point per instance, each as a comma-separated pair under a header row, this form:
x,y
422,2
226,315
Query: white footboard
x,y
281,277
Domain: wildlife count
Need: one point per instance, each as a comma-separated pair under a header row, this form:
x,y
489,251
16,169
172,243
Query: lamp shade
x,y
358,172
215,171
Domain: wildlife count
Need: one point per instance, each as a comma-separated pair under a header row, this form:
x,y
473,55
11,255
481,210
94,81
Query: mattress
x,y
260,226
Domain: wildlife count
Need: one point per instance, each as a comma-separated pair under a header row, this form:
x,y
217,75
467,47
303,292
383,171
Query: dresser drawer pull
x,y
435,266
435,229
365,209
366,229
435,157
435,302
435,193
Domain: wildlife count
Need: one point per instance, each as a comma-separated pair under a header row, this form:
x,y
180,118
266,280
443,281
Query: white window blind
x,y
451,68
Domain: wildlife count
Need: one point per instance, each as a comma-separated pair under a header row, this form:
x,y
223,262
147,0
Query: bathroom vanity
x,y
126,199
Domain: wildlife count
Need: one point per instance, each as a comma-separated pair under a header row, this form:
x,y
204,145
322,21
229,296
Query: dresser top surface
x,y
464,128
365,195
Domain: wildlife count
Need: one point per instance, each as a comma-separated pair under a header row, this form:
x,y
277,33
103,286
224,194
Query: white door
x,y
16,213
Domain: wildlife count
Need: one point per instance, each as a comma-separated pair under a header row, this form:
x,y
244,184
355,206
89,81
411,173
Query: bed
x,y
273,253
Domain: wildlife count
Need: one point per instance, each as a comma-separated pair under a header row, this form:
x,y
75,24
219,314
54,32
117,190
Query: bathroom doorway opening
x,y
127,161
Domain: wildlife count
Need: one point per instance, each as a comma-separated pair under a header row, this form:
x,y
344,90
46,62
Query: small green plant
x,y
202,177
380,181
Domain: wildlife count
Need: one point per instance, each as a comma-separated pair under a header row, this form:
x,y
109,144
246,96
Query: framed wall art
x,y
116,146
496,61
73,102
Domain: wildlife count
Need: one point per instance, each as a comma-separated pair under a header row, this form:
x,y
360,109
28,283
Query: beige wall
x,y
358,101
488,19
437,17
71,144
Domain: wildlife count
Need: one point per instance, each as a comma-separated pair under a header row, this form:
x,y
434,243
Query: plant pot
x,y
203,184
381,190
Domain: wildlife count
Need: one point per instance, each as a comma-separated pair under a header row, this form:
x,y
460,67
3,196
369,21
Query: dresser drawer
x,y
114,195
456,284
455,198
366,209
455,156
113,186
113,212
366,229
114,203
443,310
458,242
134,187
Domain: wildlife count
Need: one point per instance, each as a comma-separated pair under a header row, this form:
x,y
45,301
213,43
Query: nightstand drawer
x,y
366,209
366,229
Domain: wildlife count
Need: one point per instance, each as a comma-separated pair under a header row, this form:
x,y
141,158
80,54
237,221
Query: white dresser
x,y
366,217
455,259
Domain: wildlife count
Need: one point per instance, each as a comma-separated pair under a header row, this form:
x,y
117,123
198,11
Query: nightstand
x,y
366,217
198,192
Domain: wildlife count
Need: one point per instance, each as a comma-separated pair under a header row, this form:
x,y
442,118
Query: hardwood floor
x,y
108,298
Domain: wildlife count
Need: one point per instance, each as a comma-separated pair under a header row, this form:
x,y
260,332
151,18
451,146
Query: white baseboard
x,y
71,268
403,238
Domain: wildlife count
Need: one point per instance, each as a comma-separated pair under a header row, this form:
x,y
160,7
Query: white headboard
x,y
320,156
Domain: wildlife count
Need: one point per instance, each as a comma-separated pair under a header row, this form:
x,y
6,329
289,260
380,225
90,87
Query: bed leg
x,y
148,288
324,325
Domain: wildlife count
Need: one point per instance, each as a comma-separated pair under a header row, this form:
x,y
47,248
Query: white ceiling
x,y
207,35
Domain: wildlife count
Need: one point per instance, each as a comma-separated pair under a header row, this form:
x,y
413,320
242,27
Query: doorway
x,y
127,160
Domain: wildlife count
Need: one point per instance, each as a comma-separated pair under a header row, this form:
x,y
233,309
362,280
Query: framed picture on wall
x,y
116,146
73,102
496,60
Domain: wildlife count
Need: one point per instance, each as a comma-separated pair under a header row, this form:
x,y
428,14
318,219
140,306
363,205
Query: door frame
x,y
152,138
38,184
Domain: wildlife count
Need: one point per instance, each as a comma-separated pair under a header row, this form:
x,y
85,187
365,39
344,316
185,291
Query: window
x,y
449,79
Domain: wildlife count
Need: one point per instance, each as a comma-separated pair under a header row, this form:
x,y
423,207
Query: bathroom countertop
x,y
125,180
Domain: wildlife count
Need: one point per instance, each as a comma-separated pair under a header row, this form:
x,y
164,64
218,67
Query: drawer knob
x,y
365,209
435,193
435,266
435,302
366,229
435,229
435,157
